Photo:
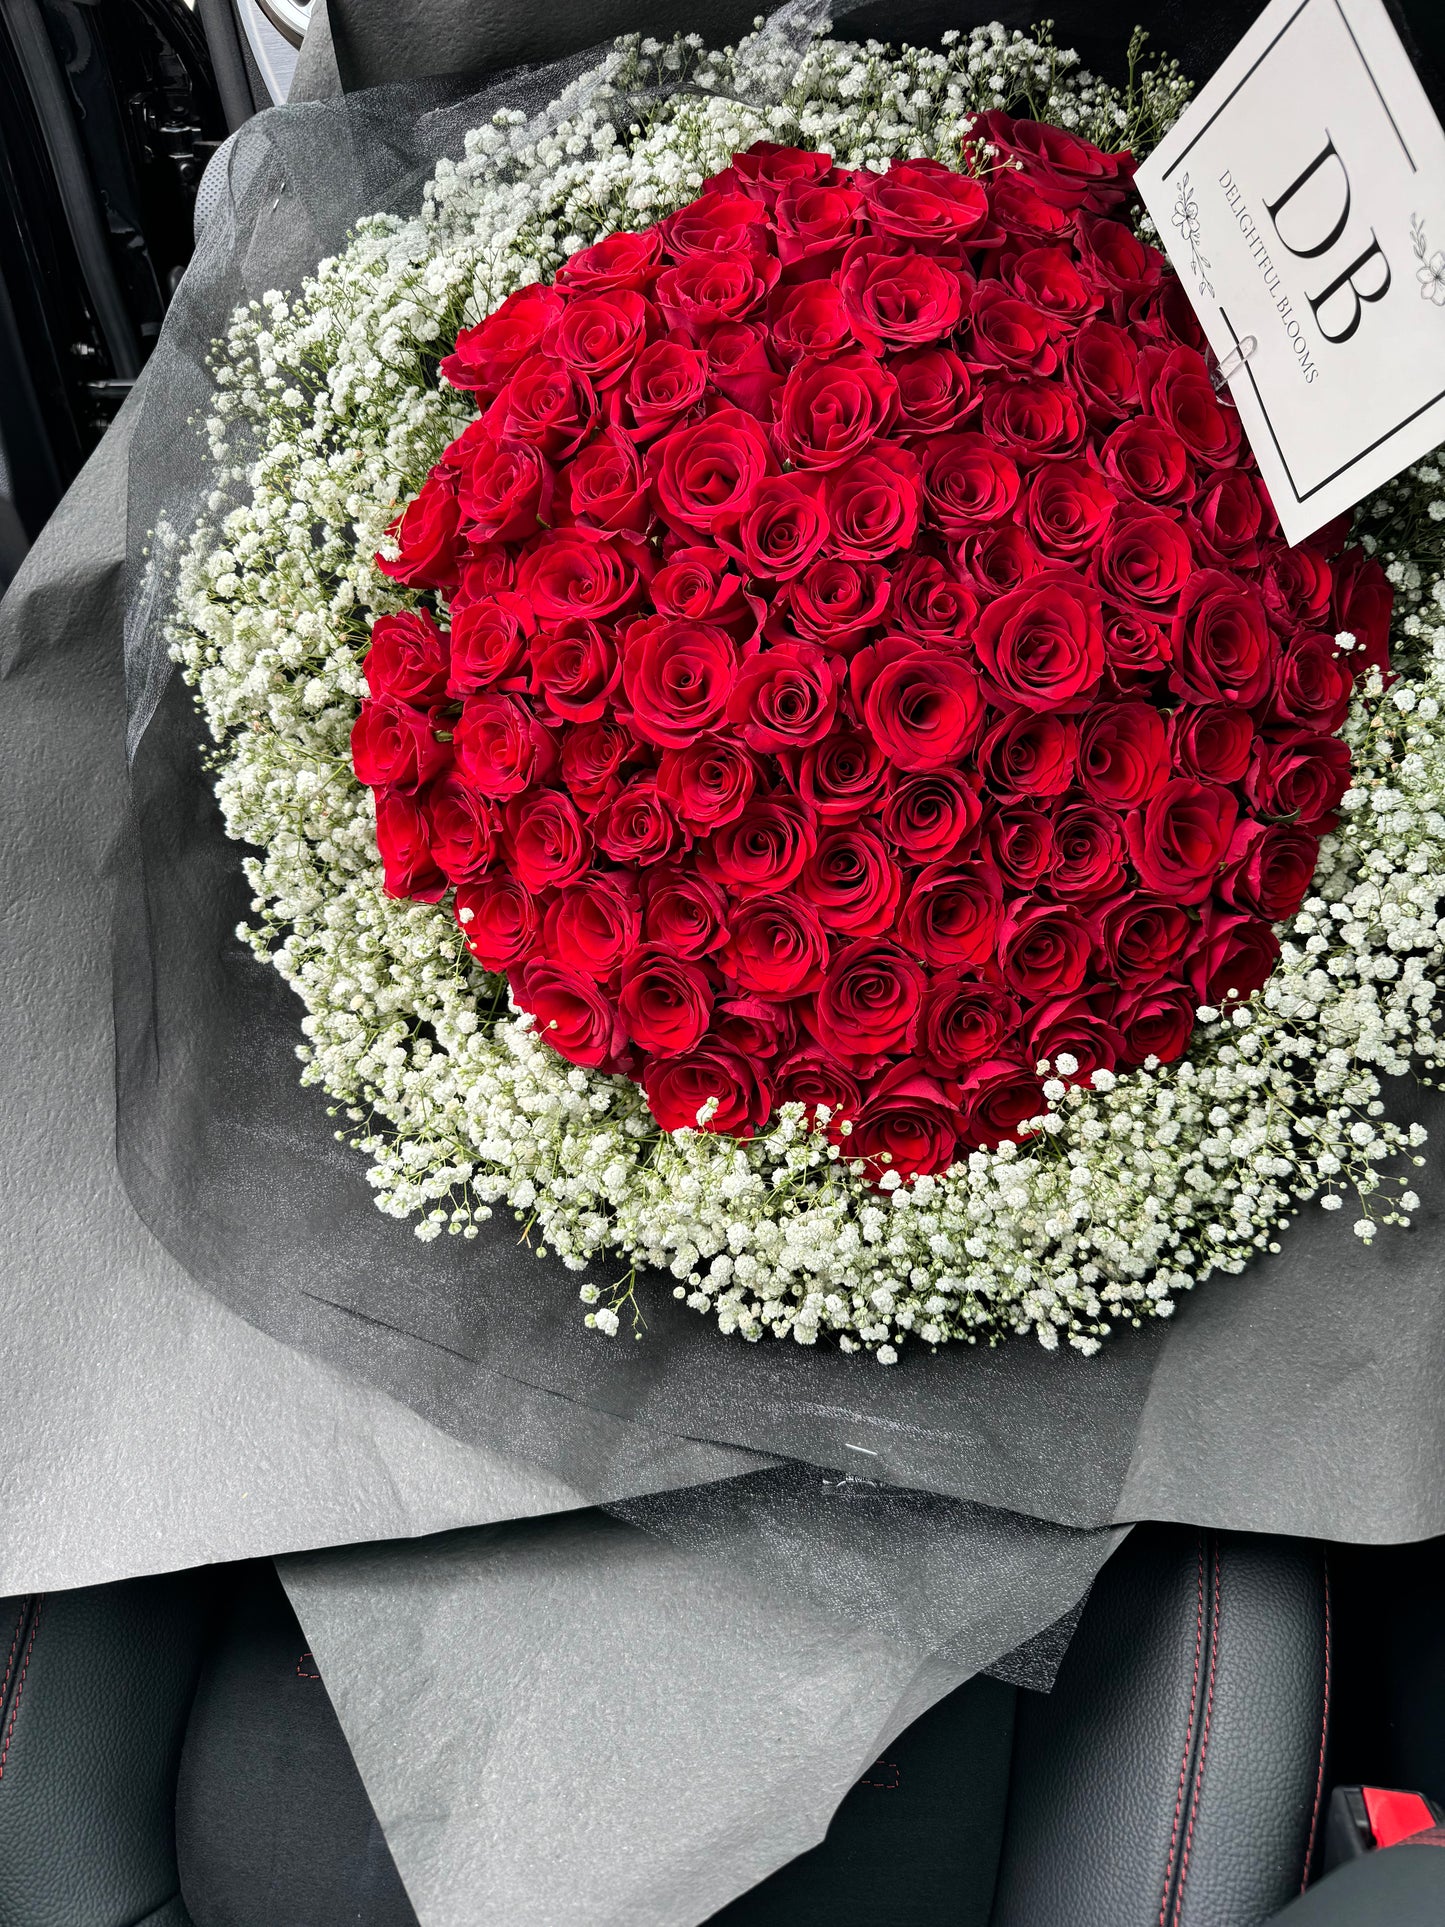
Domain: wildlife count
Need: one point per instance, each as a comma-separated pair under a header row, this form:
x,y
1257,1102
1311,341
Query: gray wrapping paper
x,y
266,1364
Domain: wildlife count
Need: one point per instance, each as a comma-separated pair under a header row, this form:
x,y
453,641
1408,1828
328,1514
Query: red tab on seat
x,y
1395,1816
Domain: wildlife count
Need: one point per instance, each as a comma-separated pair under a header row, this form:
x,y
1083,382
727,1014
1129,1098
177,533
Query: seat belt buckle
x,y
1364,1819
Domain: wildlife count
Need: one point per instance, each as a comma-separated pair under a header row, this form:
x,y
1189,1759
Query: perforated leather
x,y
1173,1777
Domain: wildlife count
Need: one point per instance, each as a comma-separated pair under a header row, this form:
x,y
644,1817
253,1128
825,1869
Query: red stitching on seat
x,y
20,1685
15,1641
1188,1739
1324,1735
1203,1740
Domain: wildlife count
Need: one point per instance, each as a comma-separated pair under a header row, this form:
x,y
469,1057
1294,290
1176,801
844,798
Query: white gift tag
x,y
1302,199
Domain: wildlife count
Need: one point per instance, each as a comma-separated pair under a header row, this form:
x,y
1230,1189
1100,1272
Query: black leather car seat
x,y
168,1756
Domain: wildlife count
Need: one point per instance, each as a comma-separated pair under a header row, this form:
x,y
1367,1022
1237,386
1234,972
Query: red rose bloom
x,y
850,655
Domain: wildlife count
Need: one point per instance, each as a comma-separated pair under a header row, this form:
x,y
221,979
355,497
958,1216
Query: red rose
x,y
1179,839
755,1027
636,825
1213,744
1144,457
1113,257
1297,587
407,658
1000,559
1155,1020
592,925
403,841
1229,517
1088,853
1104,364
425,534
1300,776
1022,211
1141,937
677,677
968,483
785,698
1049,278
775,946
1079,1025
780,531
811,1078
1028,755
1007,333
934,390
1021,842
497,918
1145,558
487,569
501,747
923,706
463,829
606,488
930,603
1042,645
898,301
573,573
592,756
396,745
600,335
1043,950
952,914
678,1088
1000,1097
705,289
906,1124
1235,955
1183,397
964,1021
685,913
873,504
1268,869
708,782
545,842
931,816
709,472
665,1002
924,203
702,585
809,319
833,603
813,219
574,672
869,1000
545,404
1223,648
741,368
1136,647
830,410
504,492
764,847
1069,507
1033,418
667,381
618,261
1363,600
1061,168
486,355
1123,753
852,882
489,642
1315,684
718,223
843,776
572,1015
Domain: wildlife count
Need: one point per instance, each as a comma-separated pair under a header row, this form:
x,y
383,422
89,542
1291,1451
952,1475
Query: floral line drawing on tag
x,y
1186,219
1431,271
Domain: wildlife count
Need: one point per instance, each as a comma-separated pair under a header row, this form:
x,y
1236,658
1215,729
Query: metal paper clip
x,y
1238,355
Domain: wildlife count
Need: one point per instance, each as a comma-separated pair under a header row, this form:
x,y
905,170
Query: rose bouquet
x,y
784,739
